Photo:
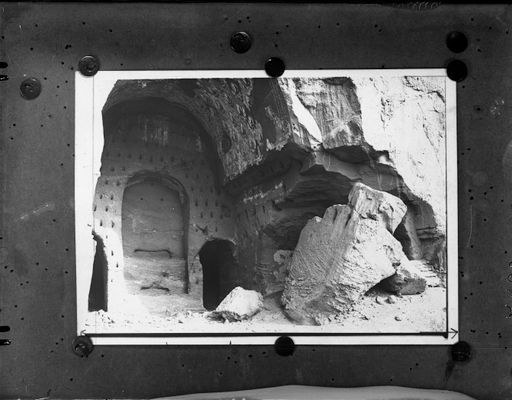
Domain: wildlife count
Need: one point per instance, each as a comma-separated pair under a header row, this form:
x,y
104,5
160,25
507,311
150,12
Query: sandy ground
x,y
377,312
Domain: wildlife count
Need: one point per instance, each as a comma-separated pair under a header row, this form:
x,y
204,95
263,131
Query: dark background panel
x,y
37,278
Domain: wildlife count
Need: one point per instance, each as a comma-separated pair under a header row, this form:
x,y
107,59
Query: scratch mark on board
x,y
38,211
470,225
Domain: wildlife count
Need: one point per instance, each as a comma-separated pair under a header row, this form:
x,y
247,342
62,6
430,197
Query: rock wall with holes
x,y
246,119
152,238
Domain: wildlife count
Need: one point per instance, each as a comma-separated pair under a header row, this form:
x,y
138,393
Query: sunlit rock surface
x,y
239,304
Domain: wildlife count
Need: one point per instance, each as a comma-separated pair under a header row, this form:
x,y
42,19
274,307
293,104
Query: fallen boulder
x,y
238,305
341,256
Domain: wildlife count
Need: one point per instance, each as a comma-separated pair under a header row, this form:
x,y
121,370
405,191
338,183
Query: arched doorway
x,y
154,235
219,267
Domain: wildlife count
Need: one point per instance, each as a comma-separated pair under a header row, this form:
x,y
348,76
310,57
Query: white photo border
x,y
89,137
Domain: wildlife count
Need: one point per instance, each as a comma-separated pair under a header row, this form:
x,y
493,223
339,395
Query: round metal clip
x,y
461,352
30,88
456,42
240,42
274,67
89,65
284,346
82,346
457,70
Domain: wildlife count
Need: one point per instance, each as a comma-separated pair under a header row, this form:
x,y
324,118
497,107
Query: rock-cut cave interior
x,y
276,187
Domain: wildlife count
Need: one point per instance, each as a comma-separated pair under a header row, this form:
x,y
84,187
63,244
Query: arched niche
x,y
155,219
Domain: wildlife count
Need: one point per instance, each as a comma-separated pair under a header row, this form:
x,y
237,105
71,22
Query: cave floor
x,y
424,312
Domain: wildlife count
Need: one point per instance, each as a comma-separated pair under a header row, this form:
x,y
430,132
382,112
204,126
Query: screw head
x,y
82,346
457,70
456,41
274,67
30,88
89,65
240,42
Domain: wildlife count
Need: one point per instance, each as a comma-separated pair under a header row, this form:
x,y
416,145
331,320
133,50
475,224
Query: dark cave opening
x,y
98,288
219,264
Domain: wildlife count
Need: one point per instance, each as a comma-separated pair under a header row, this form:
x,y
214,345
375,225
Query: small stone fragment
x,y
391,299
379,300
238,305
408,280
398,318
283,257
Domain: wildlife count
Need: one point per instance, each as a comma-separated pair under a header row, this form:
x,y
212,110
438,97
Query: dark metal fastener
x,y
456,42
82,346
89,65
30,88
461,352
240,42
274,67
457,70
284,346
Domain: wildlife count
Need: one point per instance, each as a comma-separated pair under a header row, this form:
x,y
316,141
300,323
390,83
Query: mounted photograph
x,y
217,207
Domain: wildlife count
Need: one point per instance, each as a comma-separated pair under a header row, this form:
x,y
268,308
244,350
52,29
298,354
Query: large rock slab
x,y
377,205
341,256
239,304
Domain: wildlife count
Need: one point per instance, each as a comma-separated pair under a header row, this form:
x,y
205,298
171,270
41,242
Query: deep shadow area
x,y
98,289
218,262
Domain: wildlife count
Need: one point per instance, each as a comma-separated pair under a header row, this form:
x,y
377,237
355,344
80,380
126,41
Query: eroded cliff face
x,y
283,151
388,133
394,126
